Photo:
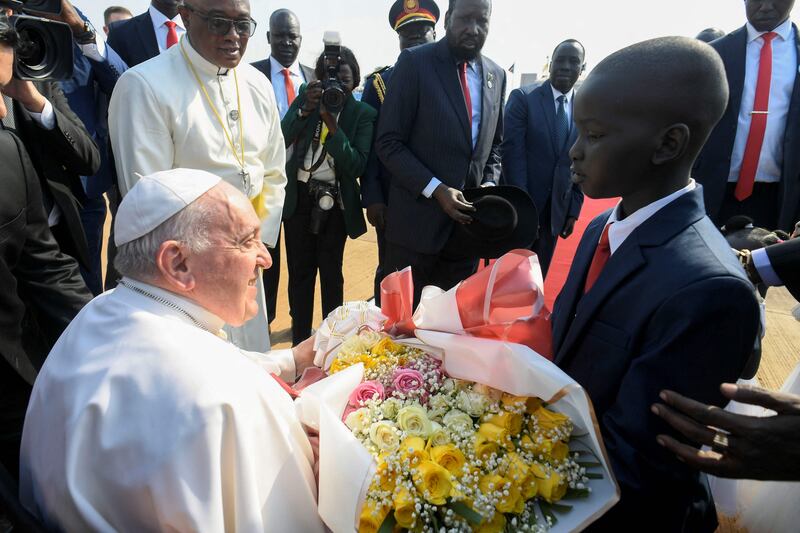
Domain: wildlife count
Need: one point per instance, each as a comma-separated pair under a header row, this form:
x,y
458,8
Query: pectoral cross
x,y
245,180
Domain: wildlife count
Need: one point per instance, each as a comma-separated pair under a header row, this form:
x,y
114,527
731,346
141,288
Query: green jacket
x,y
349,146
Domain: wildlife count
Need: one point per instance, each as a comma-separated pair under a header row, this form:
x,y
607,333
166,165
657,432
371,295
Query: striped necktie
x,y
562,123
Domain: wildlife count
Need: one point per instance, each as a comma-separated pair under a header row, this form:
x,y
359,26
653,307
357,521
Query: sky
x,y
522,32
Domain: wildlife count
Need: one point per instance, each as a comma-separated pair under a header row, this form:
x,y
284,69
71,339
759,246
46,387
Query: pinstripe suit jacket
x,y
423,132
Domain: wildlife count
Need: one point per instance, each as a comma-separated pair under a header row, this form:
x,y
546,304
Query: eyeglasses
x,y
222,26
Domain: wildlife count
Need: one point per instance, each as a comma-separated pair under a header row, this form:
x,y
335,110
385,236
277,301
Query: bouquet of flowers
x,y
452,453
448,429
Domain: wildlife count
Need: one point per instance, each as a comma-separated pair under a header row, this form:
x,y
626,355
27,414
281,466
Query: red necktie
x,y
287,81
172,34
758,122
601,255
462,70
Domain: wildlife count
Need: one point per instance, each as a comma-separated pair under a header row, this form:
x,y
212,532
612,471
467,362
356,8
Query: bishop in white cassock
x,y
198,106
143,417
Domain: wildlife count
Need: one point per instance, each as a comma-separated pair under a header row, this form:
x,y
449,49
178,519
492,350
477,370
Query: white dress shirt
x,y
622,229
159,25
784,71
764,267
475,84
144,419
568,101
279,85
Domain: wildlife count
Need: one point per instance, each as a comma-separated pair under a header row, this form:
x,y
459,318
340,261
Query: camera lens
x,y
44,49
333,98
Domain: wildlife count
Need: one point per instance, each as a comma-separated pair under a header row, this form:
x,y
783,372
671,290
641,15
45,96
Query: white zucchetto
x,y
156,198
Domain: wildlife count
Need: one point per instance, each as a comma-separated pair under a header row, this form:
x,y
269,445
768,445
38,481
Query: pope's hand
x,y
303,355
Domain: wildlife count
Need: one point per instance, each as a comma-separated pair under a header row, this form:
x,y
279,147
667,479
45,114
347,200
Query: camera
x,y
325,196
333,93
44,50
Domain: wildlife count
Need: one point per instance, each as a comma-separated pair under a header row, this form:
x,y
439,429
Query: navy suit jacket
x,y
423,132
713,165
531,159
376,179
785,261
134,39
88,93
672,309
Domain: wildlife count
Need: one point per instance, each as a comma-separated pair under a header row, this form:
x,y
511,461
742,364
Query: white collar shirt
x,y
279,84
784,71
568,101
475,84
622,229
160,26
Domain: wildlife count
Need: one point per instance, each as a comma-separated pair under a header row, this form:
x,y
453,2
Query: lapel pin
x,y
490,80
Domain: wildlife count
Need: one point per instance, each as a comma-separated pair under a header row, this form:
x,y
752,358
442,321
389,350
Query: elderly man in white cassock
x,y
196,106
144,417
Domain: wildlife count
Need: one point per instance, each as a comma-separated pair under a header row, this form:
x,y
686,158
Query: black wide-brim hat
x,y
505,219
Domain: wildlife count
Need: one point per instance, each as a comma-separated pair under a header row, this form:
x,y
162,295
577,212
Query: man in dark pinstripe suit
x,y
440,132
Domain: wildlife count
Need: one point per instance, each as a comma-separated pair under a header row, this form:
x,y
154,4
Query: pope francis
x,y
144,417
198,106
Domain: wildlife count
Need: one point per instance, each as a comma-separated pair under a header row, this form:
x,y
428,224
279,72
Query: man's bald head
x,y
284,37
667,80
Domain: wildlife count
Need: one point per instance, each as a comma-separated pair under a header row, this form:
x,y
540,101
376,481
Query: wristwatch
x,y
87,36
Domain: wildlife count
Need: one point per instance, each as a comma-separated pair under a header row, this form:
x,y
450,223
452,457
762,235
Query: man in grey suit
x,y
539,132
440,131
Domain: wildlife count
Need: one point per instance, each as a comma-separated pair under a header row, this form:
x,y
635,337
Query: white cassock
x,y
141,420
159,119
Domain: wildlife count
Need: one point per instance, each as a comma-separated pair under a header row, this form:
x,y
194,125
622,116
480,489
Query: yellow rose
x,y
533,405
414,448
516,403
404,504
495,525
493,394
449,457
413,419
494,433
496,484
514,468
548,420
385,479
560,451
553,487
484,447
338,365
372,517
511,422
433,482
530,487
386,346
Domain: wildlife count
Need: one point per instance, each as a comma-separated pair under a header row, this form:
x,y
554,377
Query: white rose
x,y
358,420
414,421
438,405
458,421
472,403
390,407
384,435
370,338
439,435
449,385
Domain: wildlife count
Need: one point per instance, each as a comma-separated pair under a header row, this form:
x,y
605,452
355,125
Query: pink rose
x,y
366,391
407,380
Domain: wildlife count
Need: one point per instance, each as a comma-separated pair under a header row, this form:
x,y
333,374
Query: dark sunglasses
x,y
222,26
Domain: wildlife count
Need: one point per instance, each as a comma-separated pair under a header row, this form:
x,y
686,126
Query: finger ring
x,y
720,442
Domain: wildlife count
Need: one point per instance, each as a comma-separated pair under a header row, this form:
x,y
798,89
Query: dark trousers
x,y
380,272
14,395
545,245
272,276
93,216
428,269
306,254
761,206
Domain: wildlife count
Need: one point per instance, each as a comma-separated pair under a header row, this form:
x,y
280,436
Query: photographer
x,y
323,206
41,290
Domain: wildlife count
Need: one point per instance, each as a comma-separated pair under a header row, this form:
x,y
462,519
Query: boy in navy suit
x,y
655,298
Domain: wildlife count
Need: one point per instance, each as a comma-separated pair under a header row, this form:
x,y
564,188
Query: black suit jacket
x,y
134,39
672,309
41,289
531,159
60,156
265,67
423,132
785,261
713,165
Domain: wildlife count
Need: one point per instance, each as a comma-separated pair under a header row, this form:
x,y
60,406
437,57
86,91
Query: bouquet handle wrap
x,y
502,302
